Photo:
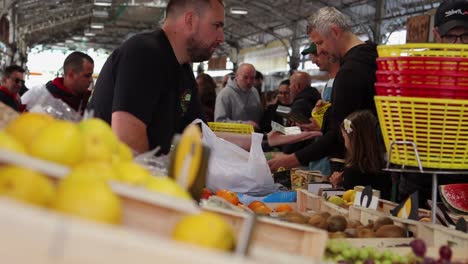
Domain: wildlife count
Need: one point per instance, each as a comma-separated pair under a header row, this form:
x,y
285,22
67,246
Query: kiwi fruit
x,y
337,235
337,223
365,232
381,221
351,232
325,215
295,218
318,221
353,224
391,231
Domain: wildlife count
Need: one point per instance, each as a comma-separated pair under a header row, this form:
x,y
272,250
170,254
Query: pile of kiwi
x,y
339,227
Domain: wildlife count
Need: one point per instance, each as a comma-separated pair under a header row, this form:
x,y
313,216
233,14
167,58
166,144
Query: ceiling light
x,y
103,2
97,25
100,13
89,34
238,11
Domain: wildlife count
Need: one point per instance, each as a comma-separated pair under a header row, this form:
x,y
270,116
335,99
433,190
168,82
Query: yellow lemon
x,y
26,185
206,230
100,140
27,126
88,197
349,195
10,143
123,153
336,200
96,169
132,173
167,186
59,142
96,149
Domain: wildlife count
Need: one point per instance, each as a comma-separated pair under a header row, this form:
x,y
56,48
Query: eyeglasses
x,y
18,80
451,38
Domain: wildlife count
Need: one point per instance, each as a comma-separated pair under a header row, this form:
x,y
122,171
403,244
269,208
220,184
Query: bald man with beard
x,y
238,102
304,98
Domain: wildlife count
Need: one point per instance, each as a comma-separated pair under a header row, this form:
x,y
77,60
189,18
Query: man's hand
x,y
319,105
276,138
336,178
286,161
312,126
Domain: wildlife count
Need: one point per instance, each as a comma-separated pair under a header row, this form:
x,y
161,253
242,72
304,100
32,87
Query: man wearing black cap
x,y
325,63
451,22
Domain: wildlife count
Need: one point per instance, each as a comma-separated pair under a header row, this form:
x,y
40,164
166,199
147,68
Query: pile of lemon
x,y
93,153
95,156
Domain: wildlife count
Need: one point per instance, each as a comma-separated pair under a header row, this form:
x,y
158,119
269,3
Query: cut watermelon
x,y
455,197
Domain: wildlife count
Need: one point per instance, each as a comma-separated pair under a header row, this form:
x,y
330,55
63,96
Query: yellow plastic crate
x,y
319,113
423,49
438,127
231,127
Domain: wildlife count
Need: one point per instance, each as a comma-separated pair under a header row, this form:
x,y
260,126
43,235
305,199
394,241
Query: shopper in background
x,y
12,81
73,87
239,101
364,155
270,114
258,84
207,92
325,63
353,88
146,89
451,22
304,97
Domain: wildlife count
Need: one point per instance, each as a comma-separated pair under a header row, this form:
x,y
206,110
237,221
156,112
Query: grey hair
x,y
325,18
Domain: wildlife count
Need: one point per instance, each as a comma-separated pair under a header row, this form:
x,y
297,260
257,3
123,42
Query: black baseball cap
x,y
311,49
451,14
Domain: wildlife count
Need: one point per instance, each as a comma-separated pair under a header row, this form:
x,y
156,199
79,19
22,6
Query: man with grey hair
x,y
146,89
239,101
353,88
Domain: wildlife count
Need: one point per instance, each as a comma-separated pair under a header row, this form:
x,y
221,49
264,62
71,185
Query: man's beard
x,y
197,51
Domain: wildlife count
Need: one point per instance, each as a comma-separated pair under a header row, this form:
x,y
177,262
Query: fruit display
x,y
455,196
205,229
342,252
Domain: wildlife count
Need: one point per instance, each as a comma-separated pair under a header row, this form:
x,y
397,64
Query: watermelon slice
x,y
455,197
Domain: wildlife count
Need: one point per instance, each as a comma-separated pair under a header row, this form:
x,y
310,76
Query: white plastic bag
x,y
231,167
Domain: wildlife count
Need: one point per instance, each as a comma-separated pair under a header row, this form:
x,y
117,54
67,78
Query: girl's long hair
x,y
367,150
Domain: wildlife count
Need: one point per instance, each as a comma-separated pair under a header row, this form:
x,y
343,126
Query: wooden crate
x,y
276,235
433,234
157,214
307,201
35,235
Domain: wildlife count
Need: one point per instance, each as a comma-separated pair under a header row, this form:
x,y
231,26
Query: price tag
x,y
367,198
408,209
461,225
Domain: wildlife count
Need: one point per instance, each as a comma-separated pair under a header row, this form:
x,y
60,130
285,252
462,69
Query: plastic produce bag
x,y
231,167
40,100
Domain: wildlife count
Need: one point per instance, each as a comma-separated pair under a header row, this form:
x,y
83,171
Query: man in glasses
x,y
73,87
451,22
12,81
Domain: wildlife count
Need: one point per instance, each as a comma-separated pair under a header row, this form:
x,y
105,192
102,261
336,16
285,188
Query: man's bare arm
x,y
130,130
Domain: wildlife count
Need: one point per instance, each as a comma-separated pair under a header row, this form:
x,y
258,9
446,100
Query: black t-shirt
x,y
8,100
379,181
143,77
353,89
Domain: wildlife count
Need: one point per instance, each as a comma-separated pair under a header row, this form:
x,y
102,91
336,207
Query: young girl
x,y
364,155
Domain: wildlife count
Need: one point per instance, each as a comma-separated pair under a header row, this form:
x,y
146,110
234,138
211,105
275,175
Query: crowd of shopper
x,y
147,91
